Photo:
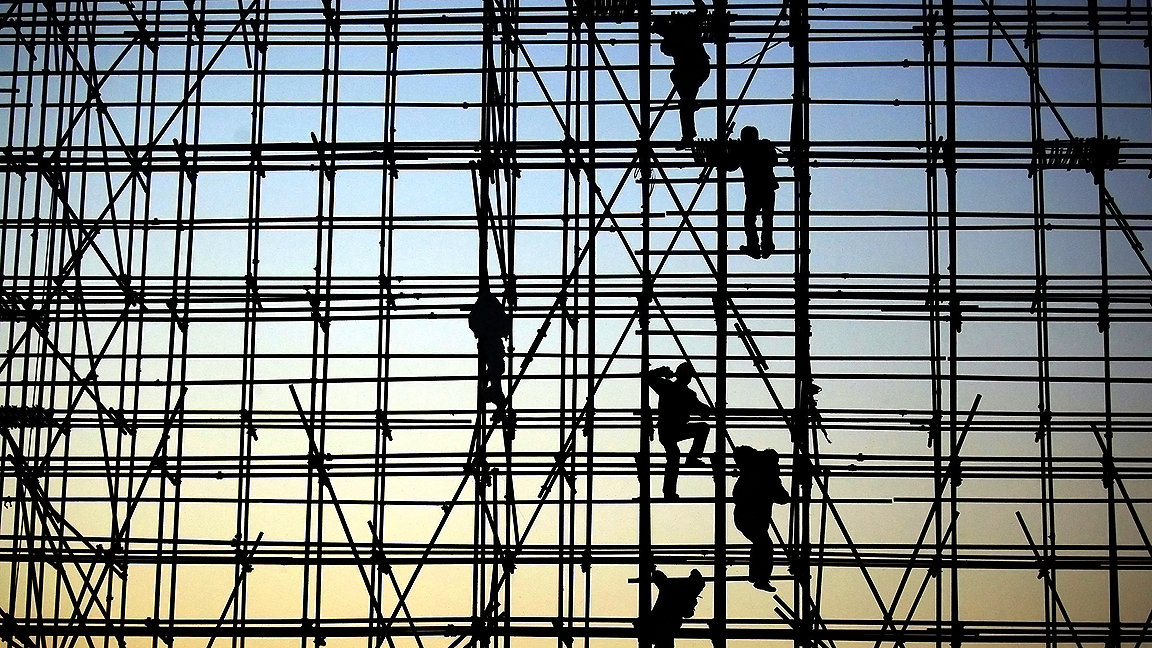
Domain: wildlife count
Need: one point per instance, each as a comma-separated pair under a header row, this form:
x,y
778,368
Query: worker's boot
x,y
751,248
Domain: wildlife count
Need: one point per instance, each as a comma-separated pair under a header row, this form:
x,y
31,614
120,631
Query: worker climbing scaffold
x,y
676,602
757,488
677,403
682,38
757,159
490,324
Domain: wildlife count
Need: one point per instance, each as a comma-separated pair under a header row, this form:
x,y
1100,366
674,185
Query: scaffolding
x,y
243,244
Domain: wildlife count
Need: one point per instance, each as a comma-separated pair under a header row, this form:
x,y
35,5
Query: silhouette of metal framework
x,y
241,400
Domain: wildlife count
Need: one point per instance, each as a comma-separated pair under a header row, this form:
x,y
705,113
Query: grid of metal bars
x,y
240,242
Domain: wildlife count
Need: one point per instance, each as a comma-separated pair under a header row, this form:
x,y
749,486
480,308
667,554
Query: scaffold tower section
x,y
575,323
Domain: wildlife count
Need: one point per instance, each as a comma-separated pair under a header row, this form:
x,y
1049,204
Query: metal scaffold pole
x,y
803,431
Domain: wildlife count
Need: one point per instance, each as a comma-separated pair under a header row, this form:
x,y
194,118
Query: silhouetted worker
x,y
490,324
757,161
757,488
683,39
677,403
676,602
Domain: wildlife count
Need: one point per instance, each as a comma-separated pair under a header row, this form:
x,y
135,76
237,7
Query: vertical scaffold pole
x,y
932,227
720,308
589,410
507,136
643,461
485,172
937,317
1098,176
801,454
1040,306
567,386
386,304
949,155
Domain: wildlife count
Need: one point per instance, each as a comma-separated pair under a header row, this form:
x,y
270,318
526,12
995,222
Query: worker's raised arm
x,y
658,379
658,578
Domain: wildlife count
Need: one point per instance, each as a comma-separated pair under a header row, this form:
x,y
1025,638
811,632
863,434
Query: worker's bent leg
x,y
699,435
687,122
769,204
672,469
751,208
686,90
492,354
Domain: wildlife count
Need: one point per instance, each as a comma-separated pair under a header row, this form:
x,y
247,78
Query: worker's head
x,y
745,457
752,460
662,25
749,134
685,372
696,580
